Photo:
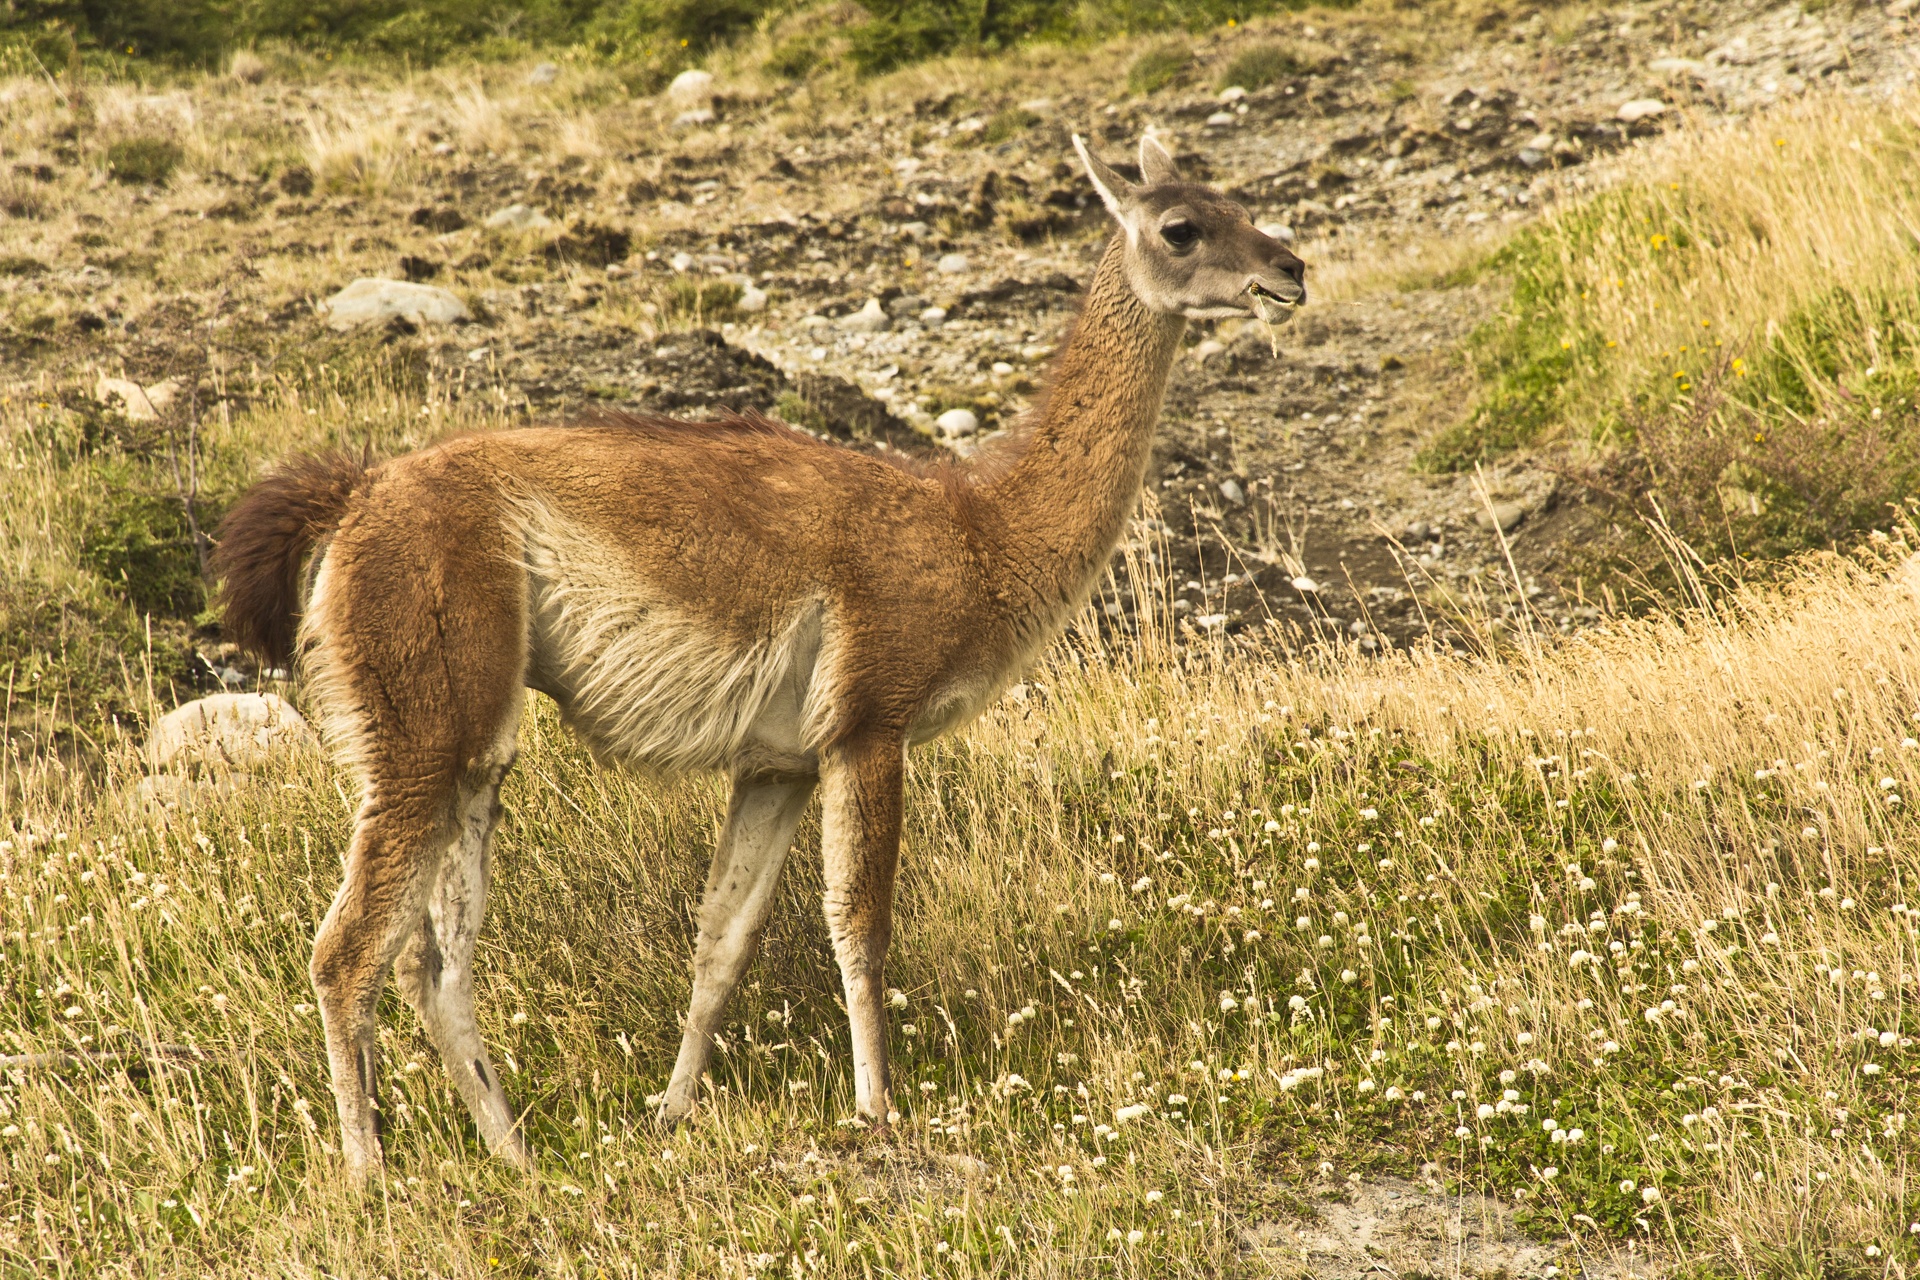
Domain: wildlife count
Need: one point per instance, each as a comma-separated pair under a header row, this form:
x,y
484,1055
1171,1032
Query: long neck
x,y
1052,517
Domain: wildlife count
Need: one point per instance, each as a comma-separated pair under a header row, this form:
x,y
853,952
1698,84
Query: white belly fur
x,y
645,683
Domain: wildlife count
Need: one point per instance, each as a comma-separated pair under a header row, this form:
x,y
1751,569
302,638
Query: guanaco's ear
x,y
1115,191
1156,162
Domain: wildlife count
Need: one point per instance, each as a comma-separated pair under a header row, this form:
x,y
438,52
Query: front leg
x,y
752,848
861,802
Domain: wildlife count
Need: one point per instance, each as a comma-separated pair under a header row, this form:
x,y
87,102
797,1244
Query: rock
x,y
1276,231
1230,490
1640,109
691,89
543,73
1220,118
373,300
1541,142
1040,106
1000,368
1531,158
871,318
1232,94
228,728
518,217
900,306
1419,531
933,315
1503,515
131,397
1205,350
957,422
752,298
1677,67
953,264
161,395
694,118
1304,583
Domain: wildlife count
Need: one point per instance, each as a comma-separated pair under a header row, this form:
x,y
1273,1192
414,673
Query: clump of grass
x,y
365,157
694,301
147,160
1159,66
1272,61
1006,124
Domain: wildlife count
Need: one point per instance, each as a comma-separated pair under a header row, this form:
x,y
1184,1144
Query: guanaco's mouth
x,y
1272,308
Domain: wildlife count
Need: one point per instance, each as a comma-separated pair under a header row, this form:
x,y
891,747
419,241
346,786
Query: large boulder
x,y
375,301
233,729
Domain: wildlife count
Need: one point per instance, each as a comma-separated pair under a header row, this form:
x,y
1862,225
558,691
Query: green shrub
x,y
144,161
138,541
1159,67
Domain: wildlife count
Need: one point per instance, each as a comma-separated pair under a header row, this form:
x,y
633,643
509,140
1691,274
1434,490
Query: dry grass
x,y
1200,873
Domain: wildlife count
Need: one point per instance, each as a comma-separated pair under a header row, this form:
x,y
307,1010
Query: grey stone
x,y
235,729
1503,515
1640,109
957,422
871,318
543,73
371,301
953,264
1230,490
518,217
691,88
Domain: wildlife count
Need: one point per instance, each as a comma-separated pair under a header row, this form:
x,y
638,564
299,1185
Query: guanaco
x,y
732,595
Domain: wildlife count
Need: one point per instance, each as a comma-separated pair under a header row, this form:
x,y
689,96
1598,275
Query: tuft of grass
x,y
696,303
1272,61
1010,123
1159,66
144,161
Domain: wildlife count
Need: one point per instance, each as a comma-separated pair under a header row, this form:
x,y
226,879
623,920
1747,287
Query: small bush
x,y
144,161
1159,67
137,539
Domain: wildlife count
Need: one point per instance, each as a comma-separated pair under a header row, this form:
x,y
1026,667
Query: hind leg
x,y
416,634
390,867
435,969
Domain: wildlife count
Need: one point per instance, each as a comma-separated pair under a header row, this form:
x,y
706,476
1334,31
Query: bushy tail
x,y
264,540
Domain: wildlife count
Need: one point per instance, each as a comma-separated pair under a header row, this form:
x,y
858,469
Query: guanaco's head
x,y
1192,251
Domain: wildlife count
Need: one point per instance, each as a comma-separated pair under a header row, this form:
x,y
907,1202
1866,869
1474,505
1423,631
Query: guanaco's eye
x,y
1180,234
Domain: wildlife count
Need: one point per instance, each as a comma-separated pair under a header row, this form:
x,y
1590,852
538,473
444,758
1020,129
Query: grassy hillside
x,y
1741,315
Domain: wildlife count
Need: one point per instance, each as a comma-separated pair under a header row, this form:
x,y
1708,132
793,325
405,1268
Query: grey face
x,y
1192,251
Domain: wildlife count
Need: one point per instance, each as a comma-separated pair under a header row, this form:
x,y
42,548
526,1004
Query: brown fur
x,y
733,595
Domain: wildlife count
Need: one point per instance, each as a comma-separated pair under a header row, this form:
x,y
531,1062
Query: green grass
x,y
144,161
1159,66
